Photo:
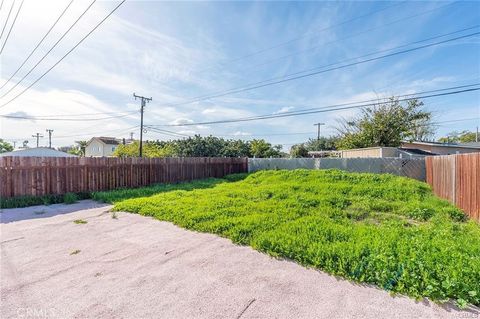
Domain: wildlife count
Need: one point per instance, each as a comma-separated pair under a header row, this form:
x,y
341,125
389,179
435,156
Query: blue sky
x,y
174,51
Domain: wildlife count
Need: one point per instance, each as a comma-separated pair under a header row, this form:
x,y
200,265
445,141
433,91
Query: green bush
x,y
381,229
70,198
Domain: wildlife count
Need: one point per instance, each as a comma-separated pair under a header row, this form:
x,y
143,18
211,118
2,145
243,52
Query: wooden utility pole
x,y
49,131
37,136
319,125
143,101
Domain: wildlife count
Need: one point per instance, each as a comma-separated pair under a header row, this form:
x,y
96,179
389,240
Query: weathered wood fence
x,y
456,178
36,176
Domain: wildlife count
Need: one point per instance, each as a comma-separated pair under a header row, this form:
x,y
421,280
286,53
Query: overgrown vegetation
x,y
70,198
198,146
379,229
25,201
80,221
386,124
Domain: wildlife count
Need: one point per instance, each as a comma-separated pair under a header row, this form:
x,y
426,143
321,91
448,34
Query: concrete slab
x,y
137,267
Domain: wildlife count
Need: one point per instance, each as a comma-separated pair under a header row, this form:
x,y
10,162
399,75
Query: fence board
x,y
36,176
457,179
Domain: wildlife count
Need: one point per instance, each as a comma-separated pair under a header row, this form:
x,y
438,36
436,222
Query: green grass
x,y
25,201
80,221
379,229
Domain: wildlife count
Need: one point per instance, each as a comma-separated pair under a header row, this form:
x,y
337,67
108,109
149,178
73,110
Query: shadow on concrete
x,y
10,215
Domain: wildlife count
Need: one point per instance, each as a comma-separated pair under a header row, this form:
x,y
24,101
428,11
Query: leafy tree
x,y
261,148
298,150
5,146
459,137
322,144
79,149
385,124
197,146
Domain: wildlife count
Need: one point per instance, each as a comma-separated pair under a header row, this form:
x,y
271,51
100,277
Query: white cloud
x,y
284,109
240,133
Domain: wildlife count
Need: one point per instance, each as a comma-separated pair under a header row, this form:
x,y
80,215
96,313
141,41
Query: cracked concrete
x,y
138,267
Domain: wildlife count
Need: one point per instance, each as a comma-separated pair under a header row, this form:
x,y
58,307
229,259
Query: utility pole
x,y
143,101
131,136
319,125
49,137
37,135
476,136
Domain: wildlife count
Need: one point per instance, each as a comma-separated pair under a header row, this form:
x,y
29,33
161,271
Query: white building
x,y
101,146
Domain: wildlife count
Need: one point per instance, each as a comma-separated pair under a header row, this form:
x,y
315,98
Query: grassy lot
x,y
380,229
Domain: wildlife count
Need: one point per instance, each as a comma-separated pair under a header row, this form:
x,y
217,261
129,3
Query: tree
x,y
5,146
298,150
80,148
386,124
261,148
459,137
322,144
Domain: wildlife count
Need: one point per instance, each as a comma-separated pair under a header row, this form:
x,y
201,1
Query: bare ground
x,y
137,267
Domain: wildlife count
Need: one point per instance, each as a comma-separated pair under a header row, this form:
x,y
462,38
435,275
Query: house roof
x,y
415,151
37,152
106,140
465,145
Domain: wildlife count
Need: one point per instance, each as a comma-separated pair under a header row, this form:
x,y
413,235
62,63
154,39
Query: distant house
x,y
436,148
383,152
37,152
101,146
410,150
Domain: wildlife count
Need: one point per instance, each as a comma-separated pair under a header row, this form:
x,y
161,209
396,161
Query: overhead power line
x,y
166,132
50,50
38,44
305,35
8,18
401,98
322,45
98,132
19,117
64,56
11,27
311,72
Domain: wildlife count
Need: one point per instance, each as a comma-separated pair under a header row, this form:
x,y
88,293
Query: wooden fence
x,y
36,176
456,178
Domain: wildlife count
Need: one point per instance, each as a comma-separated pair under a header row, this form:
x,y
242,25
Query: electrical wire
x,y
11,27
38,44
166,132
467,88
63,57
294,76
8,18
99,132
316,32
19,117
270,61
50,50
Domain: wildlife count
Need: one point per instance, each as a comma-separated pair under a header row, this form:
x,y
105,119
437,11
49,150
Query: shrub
x,y
70,198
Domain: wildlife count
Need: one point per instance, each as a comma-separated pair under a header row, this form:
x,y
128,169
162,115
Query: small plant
x,y
80,221
76,251
70,198
114,215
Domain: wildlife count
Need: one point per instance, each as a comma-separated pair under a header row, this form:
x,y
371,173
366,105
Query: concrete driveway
x,y
137,267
